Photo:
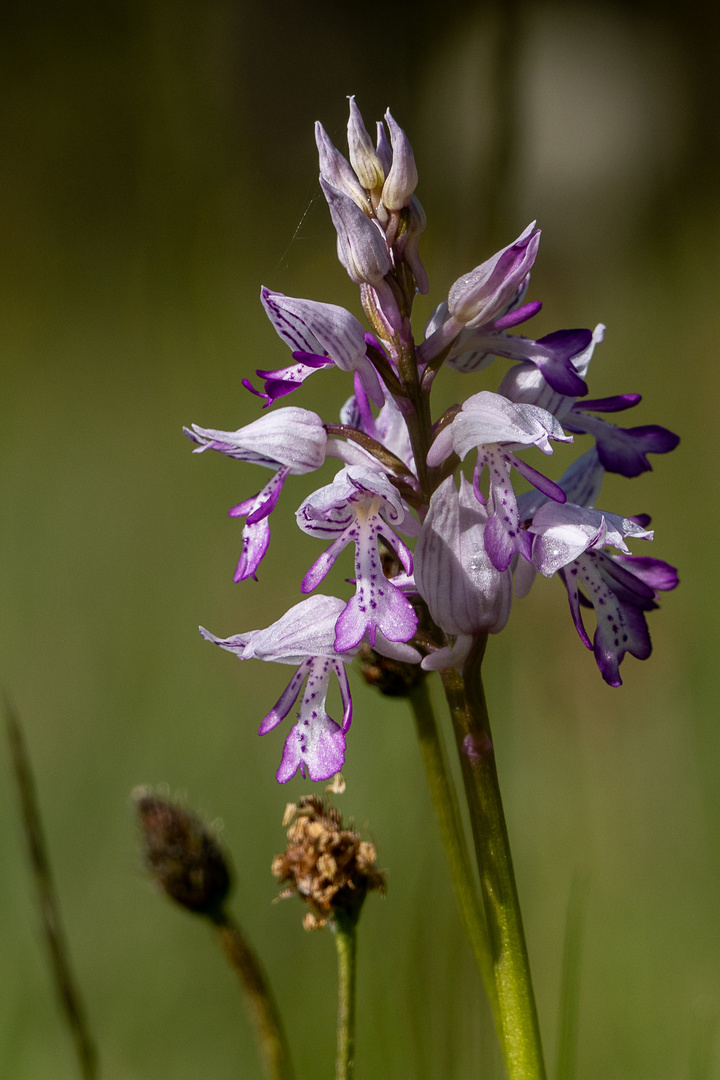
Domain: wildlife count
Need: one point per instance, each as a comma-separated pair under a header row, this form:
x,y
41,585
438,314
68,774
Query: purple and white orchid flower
x,y
303,637
289,441
320,335
493,425
570,540
359,507
620,450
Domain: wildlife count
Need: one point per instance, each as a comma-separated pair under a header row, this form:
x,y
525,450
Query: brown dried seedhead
x,y
182,854
329,867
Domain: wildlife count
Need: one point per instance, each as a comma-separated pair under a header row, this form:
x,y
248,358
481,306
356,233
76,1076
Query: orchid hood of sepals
x,y
453,573
561,533
359,507
290,437
403,177
363,155
487,418
323,330
492,424
487,291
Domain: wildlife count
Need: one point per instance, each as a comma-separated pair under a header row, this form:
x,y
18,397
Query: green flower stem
x,y
521,1044
345,926
447,811
261,1006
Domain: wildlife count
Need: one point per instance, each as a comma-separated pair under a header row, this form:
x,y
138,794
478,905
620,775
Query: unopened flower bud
x,y
363,156
402,178
182,855
486,292
336,171
453,572
331,868
383,148
407,243
360,245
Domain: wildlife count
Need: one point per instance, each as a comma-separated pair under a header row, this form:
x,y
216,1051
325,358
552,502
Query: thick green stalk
x,y
346,942
521,1044
447,811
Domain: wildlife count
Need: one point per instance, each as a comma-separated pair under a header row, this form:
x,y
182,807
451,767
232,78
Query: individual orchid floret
x,y
303,637
465,593
486,294
359,507
403,177
571,540
493,425
364,157
620,450
289,441
335,170
319,335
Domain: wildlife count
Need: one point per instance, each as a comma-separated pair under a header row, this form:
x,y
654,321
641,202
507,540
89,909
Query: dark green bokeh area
x,y
158,167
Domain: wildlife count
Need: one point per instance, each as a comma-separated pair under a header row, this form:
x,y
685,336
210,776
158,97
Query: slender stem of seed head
x,y
447,811
521,1043
345,926
261,1006
65,984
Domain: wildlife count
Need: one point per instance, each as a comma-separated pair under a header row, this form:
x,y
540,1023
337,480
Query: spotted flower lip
x,y
304,637
359,507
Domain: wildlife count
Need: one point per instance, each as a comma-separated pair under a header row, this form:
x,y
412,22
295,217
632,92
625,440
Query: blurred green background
x,y
158,166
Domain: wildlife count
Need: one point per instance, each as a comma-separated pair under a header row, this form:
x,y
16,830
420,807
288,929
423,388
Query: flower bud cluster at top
x,y
461,546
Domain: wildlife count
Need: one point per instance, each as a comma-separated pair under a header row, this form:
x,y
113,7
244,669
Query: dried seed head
x,y
330,867
182,855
